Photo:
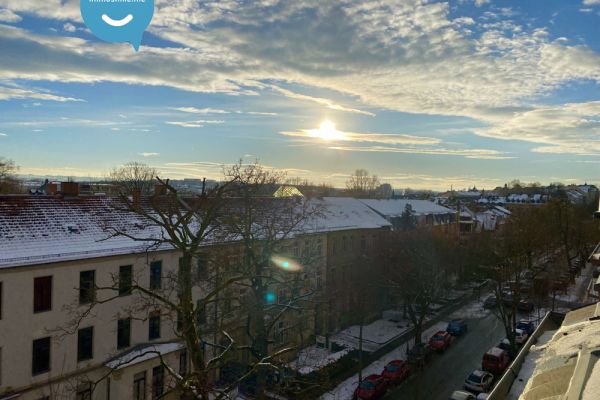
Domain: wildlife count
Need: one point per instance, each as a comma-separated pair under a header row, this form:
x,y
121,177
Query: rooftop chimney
x,y
69,188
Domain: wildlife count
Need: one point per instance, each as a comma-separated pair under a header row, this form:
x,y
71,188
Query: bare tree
x,y
185,225
8,182
275,261
134,177
361,184
416,273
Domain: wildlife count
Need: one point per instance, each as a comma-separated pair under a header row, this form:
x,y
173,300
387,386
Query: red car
x,y
495,361
440,341
395,371
372,387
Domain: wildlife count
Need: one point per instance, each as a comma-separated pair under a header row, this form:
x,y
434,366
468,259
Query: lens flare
x,y
286,264
327,132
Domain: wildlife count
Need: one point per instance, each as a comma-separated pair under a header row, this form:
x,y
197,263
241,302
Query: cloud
x,y
591,2
9,16
195,124
393,139
148,154
9,93
322,101
69,27
194,110
413,56
480,3
3,134
572,128
482,154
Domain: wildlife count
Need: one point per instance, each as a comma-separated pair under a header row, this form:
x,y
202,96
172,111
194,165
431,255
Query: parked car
x,y
596,272
525,305
527,326
440,341
462,395
483,396
520,336
490,302
504,345
370,388
479,381
495,361
419,355
457,327
395,371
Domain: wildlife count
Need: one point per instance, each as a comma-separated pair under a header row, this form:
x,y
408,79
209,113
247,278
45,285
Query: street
x,y
448,370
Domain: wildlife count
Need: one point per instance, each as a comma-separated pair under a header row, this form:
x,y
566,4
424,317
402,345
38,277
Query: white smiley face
x,y
117,22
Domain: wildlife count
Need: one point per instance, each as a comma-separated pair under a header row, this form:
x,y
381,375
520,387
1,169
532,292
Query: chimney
x,y
160,190
69,188
50,188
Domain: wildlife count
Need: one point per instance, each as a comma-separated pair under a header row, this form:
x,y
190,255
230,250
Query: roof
x,y
45,229
495,351
395,208
569,366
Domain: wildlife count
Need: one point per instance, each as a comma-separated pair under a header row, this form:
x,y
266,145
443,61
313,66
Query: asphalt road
x,y
448,370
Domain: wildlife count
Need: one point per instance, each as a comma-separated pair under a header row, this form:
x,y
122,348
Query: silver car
x,y
479,381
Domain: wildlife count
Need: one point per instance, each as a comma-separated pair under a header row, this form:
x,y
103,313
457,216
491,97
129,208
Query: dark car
x,y
525,305
419,355
457,327
395,371
372,387
440,341
527,326
490,302
596,272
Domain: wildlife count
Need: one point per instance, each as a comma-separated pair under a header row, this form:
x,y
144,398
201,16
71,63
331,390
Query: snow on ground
x,y
592,386
529,365
344,390
471,311
375,335
314,358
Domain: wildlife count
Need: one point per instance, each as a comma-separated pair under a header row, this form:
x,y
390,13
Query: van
x,y
495,361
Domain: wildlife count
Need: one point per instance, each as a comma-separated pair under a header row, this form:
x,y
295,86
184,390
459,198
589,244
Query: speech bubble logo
x,y
118,21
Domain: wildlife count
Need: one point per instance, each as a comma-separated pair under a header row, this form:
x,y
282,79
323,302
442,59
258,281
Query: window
x,y
344,243
183,362
40,359
125,280
42,294
139,386
87,286
85,344
154,326
123,333
158,382
84,392
202,268
156,275
363,242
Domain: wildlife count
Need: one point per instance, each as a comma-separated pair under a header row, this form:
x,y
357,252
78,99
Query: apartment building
x,y
57,258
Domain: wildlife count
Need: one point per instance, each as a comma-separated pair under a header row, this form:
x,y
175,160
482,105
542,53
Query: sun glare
x,y
327,131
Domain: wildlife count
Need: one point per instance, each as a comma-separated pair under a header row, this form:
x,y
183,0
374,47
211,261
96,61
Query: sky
x,y
425,94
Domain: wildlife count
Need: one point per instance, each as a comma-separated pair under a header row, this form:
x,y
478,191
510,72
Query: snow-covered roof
x,y
343,213
42,229
395,208
141,354
569,367
45,229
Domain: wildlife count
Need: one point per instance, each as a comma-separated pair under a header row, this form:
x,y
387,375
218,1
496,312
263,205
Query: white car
x,y
479,381
483,396
462,395
520,336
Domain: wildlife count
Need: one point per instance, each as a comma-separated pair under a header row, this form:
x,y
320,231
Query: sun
x,y
327,132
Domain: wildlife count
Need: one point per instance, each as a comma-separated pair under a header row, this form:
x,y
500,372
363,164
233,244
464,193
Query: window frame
x,y
87,294
48,362
120,330
43,304
83,342
125,280
154,322
155,283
